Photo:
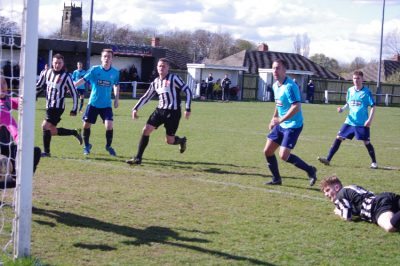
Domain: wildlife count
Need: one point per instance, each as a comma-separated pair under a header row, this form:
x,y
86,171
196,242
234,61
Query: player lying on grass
x,y
382,209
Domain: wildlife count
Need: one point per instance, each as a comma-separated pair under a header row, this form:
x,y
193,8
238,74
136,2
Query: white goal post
x,y
26,126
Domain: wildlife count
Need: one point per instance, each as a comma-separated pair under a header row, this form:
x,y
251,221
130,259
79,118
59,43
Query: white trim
x,y
221,67
289,71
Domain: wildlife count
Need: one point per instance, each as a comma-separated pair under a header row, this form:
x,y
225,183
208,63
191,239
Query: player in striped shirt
x,y
358,122
382,209
168,87
58,83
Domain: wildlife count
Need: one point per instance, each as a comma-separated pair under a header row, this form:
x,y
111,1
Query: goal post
x,y
26,126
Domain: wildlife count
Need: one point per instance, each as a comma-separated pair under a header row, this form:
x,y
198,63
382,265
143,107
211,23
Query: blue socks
x,y
273,167
334,148
371,152
299,163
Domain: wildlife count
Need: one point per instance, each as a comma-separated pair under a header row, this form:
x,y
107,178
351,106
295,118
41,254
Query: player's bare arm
x,y
79,82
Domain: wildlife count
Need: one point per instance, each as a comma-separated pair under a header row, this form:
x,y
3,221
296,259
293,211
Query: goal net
x,y
18,58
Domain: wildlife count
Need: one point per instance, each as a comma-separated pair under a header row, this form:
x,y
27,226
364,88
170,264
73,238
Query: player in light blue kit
x,y
77,75
286,125
104,78
358,122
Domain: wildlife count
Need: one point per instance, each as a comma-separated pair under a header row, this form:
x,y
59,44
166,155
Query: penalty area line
x,y
222,183
258,188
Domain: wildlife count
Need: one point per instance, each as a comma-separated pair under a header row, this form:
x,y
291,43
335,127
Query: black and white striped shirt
x,y
168,91
58,84
355,201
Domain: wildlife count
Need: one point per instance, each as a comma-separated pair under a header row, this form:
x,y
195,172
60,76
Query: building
x,y
71,25
370,71
141,57
245,64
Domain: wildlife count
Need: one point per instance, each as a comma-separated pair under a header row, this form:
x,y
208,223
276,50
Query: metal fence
x,y
326,91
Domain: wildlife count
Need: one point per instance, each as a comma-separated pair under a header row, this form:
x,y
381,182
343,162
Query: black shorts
x,y
385,202
53,115
81,92
170,119
92,112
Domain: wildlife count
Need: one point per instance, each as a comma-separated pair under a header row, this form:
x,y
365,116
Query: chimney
x,y
263,47
396,58
155,41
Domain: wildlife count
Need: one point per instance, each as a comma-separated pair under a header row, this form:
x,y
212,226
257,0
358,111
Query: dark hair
x,y
107,50
58,56
282,62
358,73
164,60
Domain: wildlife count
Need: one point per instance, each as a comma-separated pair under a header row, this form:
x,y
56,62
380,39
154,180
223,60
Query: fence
x,y
326,91
329,91
334,91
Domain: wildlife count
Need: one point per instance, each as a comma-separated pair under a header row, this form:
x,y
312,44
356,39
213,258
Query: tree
x,y
220,45
357,63
392,41
329,63
179,41
8,27
301,45
240,45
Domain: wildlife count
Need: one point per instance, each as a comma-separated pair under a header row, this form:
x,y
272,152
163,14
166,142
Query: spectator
x,y
226,84
210,87
310,92
203,89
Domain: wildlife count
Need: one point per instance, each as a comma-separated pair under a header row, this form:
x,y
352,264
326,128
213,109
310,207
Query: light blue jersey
x,y
285,95
77,75
102,82
358,102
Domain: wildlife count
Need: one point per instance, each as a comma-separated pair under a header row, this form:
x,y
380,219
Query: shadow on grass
x,y
147,236
202,167
224,172
93,247
170,162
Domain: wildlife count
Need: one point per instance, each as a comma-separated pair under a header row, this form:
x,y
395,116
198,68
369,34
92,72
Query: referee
x,y
168,87
58,82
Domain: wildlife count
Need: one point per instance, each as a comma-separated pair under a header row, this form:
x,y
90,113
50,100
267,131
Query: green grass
x,y
208,206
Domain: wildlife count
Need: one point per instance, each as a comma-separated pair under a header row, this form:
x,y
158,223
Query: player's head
x,y
331,185
106,58
79,65
358,77
58,62
163,67
279,67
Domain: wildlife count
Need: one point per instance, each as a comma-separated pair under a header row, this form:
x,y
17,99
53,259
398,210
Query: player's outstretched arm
x,y
79,82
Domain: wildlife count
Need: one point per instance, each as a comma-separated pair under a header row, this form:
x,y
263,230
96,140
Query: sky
x,y
340,29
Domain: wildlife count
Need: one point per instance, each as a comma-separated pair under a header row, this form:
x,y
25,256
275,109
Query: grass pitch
x,y
208,206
